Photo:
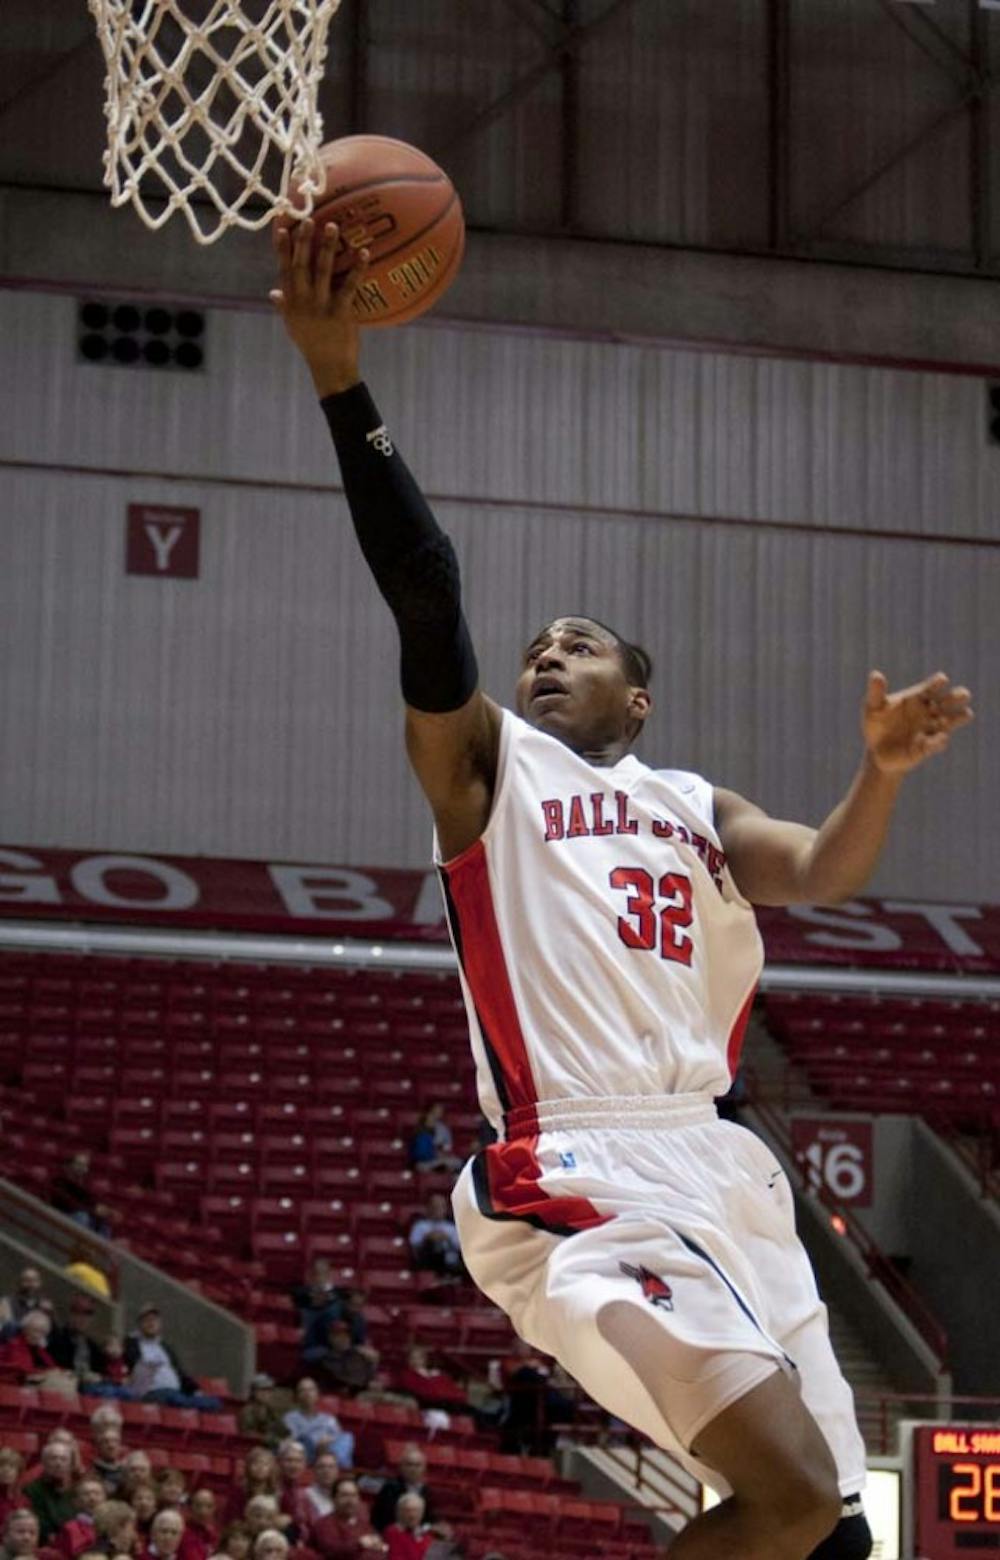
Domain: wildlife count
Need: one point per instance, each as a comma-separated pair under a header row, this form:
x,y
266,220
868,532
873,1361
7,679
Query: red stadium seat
x,y
18,1403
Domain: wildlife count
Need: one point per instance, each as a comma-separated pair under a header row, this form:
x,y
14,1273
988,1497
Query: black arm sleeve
x,y
411,558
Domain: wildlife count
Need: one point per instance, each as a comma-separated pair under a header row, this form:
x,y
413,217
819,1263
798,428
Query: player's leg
x,y
831,1402
798,1320
785,1499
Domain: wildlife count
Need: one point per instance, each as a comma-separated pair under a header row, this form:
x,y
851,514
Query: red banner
x,y
317,900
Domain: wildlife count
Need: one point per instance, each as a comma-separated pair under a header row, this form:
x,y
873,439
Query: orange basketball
x,y
391,199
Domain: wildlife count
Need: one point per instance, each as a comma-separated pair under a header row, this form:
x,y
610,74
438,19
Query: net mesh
x,y
211,108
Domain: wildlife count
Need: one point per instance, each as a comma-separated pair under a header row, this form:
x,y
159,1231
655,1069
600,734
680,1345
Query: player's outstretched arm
x,y
452,729
776,863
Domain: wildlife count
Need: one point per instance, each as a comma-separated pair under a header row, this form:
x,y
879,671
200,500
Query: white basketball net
x,y
211,108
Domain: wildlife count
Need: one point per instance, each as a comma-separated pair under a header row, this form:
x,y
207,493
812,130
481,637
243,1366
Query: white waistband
x,y
621,1112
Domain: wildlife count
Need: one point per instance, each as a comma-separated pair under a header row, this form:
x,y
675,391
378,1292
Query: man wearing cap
x,y
259,1417
73,1348
156,1375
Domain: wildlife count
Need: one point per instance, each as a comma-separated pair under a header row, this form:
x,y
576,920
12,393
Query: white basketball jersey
x,y
604,948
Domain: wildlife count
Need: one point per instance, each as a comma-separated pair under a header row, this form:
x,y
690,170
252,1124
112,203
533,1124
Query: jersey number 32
x,y
649,924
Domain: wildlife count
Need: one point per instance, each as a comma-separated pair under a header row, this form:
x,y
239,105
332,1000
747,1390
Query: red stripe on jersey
x,y
513,1173
485,969
737,1034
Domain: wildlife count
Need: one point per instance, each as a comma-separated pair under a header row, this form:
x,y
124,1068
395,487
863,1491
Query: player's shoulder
x,y
692,789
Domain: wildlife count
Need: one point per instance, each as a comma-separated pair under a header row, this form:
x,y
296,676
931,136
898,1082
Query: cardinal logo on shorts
x,y
656,1290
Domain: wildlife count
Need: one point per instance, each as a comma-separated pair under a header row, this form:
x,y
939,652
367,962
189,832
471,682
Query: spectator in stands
x,y
115,1371
201,1536
315,1428
28,1296
259,1417
534,1399
293,1470
315,1500
27,1351
165,1536
11,1497
317,1299
344,1366
346,1534
115,1528
261,1474
62,1437
137,1470
271,1545
406,1537
71,1194
434,1240
410,1480
78,1533
431,1146
21,1538
352,1303
144,1504
156,1375
109,1454
236,1542
263,1511
171,1489
431,1387
51,1496
74,1349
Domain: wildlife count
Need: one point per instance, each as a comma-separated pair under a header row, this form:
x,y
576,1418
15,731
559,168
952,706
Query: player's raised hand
x,y
902,729
316,305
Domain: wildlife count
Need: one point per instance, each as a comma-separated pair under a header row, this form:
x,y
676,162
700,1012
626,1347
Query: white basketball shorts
x,y
685,1217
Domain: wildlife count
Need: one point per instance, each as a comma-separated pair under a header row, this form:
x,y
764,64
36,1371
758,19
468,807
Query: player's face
x,y
573,686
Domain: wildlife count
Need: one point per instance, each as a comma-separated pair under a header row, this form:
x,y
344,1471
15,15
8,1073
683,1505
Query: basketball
x,y
393,200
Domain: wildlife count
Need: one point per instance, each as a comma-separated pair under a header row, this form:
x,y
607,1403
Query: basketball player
x,y
601,914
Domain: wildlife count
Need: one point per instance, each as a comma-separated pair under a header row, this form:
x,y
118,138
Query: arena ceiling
x,y
854,130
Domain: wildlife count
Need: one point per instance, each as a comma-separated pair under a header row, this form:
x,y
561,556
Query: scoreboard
x,y
956,1475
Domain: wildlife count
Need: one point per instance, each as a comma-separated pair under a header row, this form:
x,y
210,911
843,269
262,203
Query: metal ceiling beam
x,y
928,35
975,84
572,43
817,226
531,13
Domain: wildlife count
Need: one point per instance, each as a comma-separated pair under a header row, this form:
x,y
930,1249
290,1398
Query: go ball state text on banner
x,y
323,900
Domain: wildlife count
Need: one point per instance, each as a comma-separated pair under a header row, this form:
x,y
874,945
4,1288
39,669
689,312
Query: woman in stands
x,y
143,1502
235,1543
11,1469
259,1476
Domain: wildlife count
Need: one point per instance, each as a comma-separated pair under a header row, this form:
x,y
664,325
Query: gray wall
x,y
770,528
954,1240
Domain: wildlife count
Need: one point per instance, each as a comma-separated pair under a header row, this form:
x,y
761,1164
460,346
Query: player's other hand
x,y
902,729
315,305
